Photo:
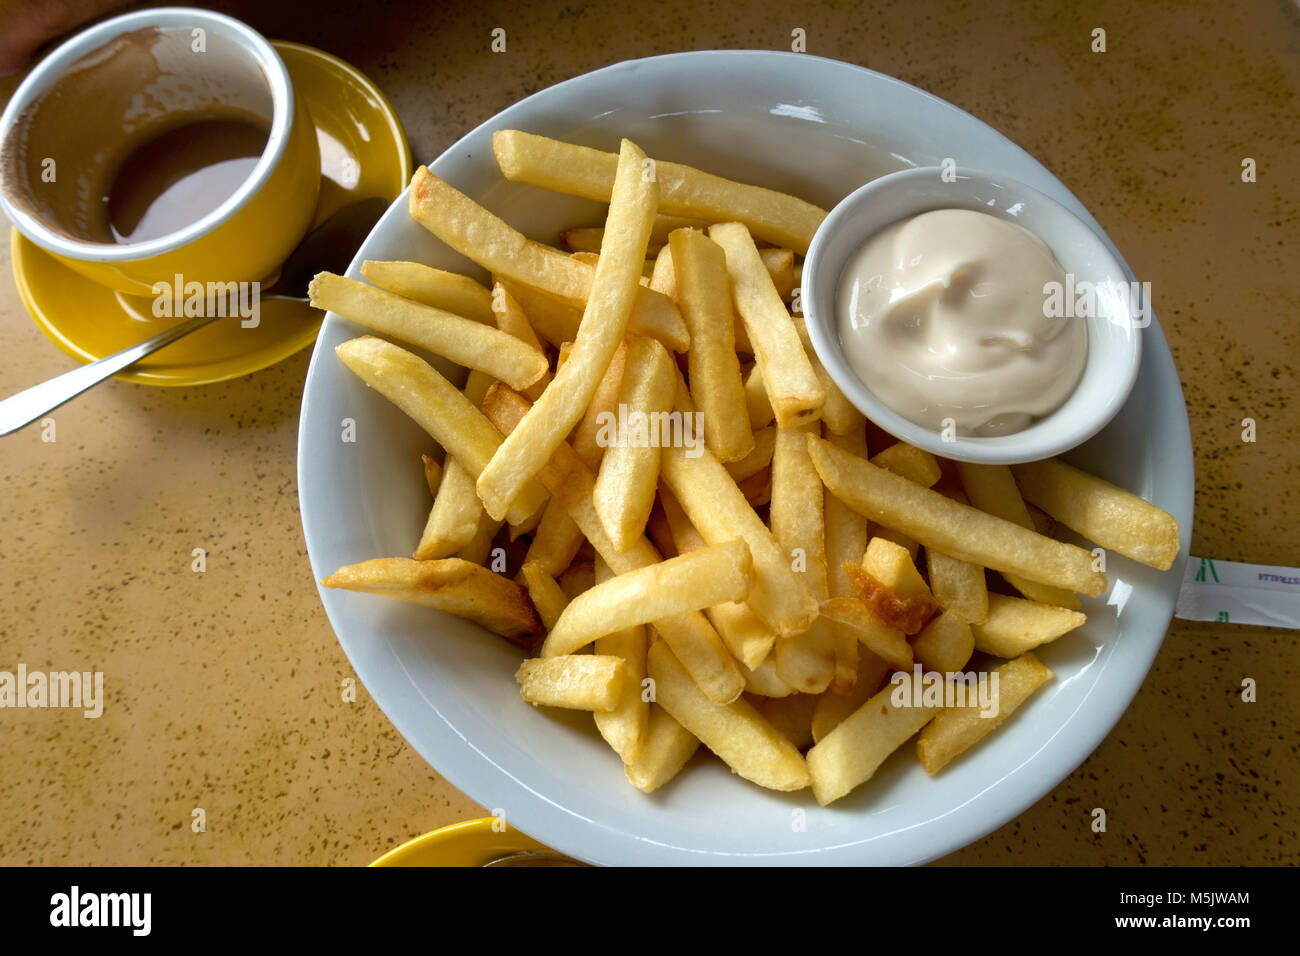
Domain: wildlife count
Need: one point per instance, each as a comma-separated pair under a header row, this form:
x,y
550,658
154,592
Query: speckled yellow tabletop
x,y
223,687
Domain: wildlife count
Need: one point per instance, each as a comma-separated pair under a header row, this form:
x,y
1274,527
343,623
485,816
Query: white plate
x,y
817,128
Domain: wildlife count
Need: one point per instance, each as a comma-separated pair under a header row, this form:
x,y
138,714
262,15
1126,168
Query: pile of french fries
x,y
753,588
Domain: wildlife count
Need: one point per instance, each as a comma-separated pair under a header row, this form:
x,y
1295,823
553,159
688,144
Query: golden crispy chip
x,y
889,583
690,582
879,637
951,527
581,682
833,708
805,661
449,291
527,448
792,386
1101,512
850,754
946,643
665,749
629,470
684,191
792,716
452,585
719,510
736,732
545,592
692,638
992,488
437,406
956,729
461,340
704,293
432,473
1015,625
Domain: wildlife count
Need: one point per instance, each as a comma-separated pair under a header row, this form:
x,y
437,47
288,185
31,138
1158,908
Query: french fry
x,y
792,387
604,402
545,592
510,318
527,448
757,488
1015,625
760,456
736,732
432,473
449,291
691,636
846,540
489,241
660,535
663,276
1101,512
557,320
849,755
453,519
910,545
581,682
879,637
792,716
629,470
587,239
690,582
461,340
746,635
946,643
760,409
479,548
452,585
805,661
719,510
664,226
911,462
684,191
839,415
577,578
557,540
833,708
955,730
624,727
951,527
436,405
666,748
888,582
958,586
992,488
704,294
763,680
456,518
779,264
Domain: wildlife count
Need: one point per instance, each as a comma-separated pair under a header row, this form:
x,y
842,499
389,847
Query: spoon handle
x,y
30,404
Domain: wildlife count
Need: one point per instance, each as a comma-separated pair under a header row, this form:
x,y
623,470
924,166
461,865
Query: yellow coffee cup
x,y
113,91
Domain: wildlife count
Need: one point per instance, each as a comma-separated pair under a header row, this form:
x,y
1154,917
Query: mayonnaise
x,y
942,316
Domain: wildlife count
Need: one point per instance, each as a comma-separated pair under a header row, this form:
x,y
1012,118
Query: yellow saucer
x,y
472,843
363,154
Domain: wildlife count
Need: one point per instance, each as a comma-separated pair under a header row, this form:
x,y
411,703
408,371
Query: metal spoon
x,y
330,246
